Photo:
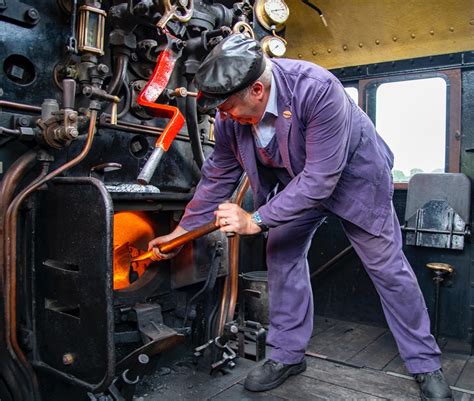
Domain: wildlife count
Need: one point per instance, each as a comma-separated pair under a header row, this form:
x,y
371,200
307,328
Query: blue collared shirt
x,y
264,131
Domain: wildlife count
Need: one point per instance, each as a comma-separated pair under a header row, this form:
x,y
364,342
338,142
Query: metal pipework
x,y
231,283
11,243
20,106
8,185
177,242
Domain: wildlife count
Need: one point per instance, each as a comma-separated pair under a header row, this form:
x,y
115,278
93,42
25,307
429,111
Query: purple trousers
x,y
291,299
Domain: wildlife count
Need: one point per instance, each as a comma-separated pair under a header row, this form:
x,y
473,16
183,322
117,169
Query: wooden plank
x,y
296,388
321,324
453,365
466,379
183,382
378,354
238,393
396,365
372,382
344,340
458,396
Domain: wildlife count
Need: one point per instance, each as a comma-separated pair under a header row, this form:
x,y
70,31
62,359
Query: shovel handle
x,y
167,247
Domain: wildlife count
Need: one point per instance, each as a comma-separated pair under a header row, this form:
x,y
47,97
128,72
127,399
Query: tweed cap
x,y
231,66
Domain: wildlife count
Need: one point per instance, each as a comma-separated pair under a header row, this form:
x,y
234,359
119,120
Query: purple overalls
x,y
330,159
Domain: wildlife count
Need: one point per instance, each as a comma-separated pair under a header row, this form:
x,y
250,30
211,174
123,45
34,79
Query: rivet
x,y
313,52
394,38
361,44
300,55
329,50
431,32
344,47
471,22
377,42
451,28
413,36
68,359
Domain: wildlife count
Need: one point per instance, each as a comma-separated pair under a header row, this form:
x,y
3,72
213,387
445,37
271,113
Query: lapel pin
x,y
287,114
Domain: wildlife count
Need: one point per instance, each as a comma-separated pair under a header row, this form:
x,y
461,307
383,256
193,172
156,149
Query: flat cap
x,y
231,66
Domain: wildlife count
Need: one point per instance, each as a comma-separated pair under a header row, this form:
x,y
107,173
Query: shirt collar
x,y
272,107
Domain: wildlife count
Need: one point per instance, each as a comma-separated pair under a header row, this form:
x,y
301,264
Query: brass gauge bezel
x,y
265,43
265,20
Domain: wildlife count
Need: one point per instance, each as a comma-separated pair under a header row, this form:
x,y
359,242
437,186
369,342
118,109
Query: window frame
x,y
368,96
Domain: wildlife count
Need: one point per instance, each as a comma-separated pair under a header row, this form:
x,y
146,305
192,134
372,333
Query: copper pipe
x,y
231,282
169,246
11,236
20,106
234,248
8,185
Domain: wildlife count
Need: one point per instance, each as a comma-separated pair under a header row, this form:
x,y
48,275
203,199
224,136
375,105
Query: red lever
x,y
147,97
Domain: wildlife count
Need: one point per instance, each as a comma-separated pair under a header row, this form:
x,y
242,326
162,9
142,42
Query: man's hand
x,y
153,244
233,219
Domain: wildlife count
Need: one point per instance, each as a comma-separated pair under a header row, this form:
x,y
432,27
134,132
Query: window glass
x,y
353,93
411,118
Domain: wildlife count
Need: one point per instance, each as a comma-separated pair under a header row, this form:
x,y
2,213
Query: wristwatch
x,y
258,221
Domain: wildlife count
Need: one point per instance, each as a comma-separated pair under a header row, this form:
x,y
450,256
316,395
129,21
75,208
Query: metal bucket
x,y
256,309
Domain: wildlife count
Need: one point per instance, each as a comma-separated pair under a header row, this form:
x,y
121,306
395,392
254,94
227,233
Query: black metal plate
x,y
73,281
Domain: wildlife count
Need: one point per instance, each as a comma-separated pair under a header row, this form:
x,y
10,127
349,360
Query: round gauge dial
x,y
277,11
272,14
274,46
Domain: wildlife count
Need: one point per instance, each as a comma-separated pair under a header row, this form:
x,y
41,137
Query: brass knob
x,y
444,267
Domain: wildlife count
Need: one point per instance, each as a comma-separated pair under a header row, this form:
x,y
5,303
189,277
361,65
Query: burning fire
x,y
132,232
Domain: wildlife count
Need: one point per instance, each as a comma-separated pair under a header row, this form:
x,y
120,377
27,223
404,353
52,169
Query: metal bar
x,y
331,261
20,106
433,231
167,247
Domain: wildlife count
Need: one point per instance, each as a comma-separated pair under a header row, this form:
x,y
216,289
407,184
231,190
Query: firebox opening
x,y
132,232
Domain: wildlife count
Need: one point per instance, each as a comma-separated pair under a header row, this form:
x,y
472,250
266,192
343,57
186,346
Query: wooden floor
x,y
346,361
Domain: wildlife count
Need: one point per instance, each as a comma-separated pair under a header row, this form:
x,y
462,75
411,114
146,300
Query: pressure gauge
x,y
272,14
274,46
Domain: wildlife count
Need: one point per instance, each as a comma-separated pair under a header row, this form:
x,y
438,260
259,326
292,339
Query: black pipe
x,y
120,69
192,125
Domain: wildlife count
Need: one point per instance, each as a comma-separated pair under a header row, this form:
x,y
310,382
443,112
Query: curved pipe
x,y
11,238
231,283
192,125
8,185
120,69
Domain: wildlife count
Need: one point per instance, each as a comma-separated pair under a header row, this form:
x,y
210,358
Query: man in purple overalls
x,y
296,133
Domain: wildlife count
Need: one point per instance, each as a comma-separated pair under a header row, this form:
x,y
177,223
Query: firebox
x,y
94,311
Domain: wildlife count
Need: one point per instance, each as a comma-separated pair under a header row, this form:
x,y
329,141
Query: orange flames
x,y
132,232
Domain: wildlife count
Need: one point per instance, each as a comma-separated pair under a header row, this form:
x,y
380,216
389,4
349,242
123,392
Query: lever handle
x,y
69,93
150,166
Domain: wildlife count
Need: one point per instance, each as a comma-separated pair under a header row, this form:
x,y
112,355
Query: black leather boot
x,y
271,374
433,386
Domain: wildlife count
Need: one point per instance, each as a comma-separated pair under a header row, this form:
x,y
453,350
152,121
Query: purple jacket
x,y
329,146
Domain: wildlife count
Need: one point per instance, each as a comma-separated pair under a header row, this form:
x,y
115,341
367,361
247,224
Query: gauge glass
x,y
276,47
277,11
